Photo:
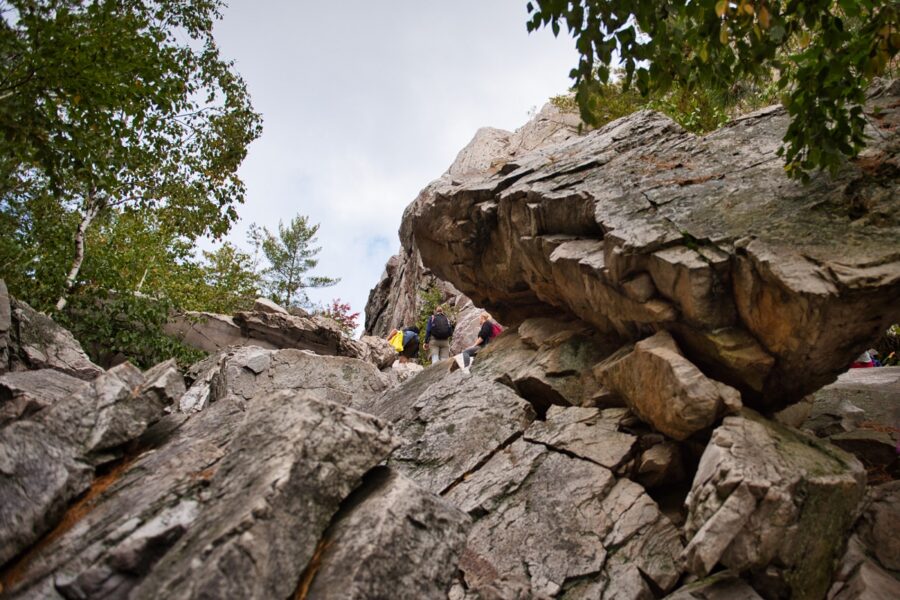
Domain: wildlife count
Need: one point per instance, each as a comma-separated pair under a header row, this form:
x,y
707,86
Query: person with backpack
x,y
489,330
438,330
410,342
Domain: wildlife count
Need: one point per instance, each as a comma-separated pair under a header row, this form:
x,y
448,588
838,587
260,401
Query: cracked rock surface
x,y
551,525
249,371
48,453
231,503
773,502
392,539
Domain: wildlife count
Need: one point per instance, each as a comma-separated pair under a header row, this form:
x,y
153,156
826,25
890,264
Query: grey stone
x,y
548,361
250,371
548,522
666,390
230,502
589,433
209,332
36,342
454,425
394,541
759,500
661,464
47,458
266,305
23,393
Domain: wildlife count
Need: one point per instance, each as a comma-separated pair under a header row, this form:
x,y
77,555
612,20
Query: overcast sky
x,y
364,102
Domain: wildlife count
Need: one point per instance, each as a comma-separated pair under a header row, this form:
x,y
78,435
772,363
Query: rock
x,y
527,536
36,342
395,541
876,449
400,372
721,586
858,396
771,501
666,391
396,301
876,527
231,502
47,458
578,225
251,371
661,464
5,326
453,426
378,351
589,433
24,393
548,362
209,332
266,305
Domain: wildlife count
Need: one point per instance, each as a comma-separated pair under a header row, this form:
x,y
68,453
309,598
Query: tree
x,y
119,105
823,54
290,255
340,312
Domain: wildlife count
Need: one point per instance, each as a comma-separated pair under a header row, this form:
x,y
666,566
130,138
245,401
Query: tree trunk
x,y
90,212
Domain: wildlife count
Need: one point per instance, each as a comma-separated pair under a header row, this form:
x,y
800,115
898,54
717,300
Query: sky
x,y
365,102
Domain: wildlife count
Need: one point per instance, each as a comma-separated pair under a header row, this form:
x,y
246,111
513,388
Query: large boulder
x,y
767,284
49,450
398,297
774,503
666,390
35,341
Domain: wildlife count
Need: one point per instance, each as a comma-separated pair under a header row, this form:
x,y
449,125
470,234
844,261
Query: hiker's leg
x,y
443,349
435,351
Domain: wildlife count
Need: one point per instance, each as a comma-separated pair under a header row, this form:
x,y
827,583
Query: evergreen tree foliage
x,y
290,254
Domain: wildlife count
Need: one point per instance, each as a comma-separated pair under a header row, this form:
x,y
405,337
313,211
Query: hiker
x,y
489,330
410,341
438,330
863,361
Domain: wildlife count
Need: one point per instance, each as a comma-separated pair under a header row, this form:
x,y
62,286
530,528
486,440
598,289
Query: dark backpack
x,y
440,327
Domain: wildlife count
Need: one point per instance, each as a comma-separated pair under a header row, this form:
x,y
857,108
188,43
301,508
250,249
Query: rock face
x,y
395,541
772,502
666,390
271,491
871,566
768,285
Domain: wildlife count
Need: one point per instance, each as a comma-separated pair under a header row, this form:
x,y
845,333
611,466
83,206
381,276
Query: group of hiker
x,y
438,332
